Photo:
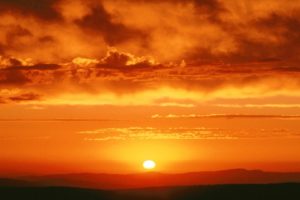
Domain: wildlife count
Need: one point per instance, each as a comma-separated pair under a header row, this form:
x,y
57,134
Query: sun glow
x,y
149,164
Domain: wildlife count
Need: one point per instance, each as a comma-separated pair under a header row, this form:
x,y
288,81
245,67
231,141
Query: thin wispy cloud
x,y
180,133
292,105
267,116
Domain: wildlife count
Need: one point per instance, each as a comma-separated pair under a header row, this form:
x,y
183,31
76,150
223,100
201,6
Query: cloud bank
x,y
184,50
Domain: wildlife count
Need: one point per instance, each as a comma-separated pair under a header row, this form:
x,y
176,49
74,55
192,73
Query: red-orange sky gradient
x,y
102,85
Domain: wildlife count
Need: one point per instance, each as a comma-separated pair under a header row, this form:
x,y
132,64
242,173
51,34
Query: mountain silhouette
x,y
144,180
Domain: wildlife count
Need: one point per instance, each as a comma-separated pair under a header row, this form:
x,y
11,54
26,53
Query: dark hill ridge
x,y
126,181
289,191
16,183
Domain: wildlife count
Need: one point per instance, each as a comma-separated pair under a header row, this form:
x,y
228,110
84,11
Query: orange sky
x,y
100,85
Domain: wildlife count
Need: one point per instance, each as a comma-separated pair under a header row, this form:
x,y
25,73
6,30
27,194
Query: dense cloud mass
x,y
53,47
40,9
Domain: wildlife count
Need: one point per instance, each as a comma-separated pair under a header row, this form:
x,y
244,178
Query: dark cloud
x,y
278,40
14,62
289,69
18,97
211,4
25,97
126,61
16,31
15,72
286,27
100,21
13,78
116,59
43,9
9,61
46,39
2,48
212,8
13,34
40,66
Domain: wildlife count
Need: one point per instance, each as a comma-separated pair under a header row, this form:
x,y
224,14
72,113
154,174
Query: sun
x,y
149,164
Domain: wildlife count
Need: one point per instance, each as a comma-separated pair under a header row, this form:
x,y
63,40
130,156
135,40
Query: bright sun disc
x,y
149,164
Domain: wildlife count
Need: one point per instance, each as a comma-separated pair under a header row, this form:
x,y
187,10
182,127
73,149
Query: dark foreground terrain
x,y
230,192
153,179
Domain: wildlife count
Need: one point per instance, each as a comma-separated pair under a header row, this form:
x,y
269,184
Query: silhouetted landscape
x,y
154,179
232,192
229,184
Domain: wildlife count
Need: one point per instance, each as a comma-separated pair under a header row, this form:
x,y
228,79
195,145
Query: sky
x,y
101,85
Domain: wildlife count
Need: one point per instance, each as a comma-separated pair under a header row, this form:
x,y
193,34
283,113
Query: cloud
x,y
291,105
17,96
41,9
179,133
142,80
228,116
217,30
99,22
40,66
17,72
151,133
25,97
122,60
85,62
200,48
12,78
9,62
